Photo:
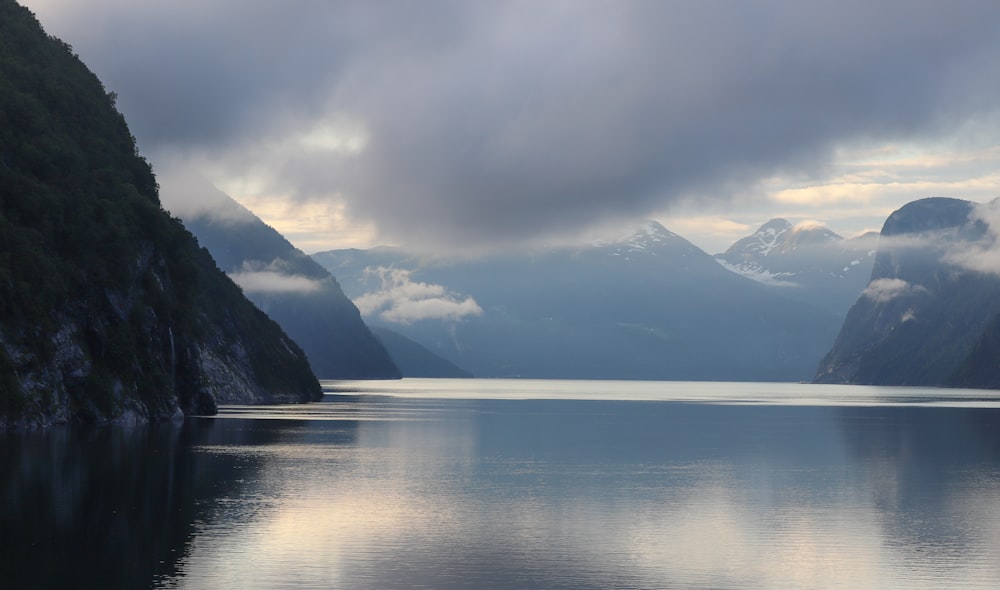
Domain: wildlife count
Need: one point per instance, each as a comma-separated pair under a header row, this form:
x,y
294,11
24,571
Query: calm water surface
x,y
520,484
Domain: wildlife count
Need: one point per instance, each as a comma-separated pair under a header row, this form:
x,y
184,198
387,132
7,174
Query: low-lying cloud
x,y
882,290
404,301
982,255
274,282
273,277
189,195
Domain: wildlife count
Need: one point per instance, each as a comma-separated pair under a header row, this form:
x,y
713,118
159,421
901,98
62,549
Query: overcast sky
x,y
482,124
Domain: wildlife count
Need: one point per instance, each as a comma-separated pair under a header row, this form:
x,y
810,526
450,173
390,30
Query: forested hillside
x,y
108,307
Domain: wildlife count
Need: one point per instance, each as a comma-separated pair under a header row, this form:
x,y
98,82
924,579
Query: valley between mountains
x,y
786,303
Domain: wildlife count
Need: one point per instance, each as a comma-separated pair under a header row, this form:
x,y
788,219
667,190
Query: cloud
x,y
257,277
463,122
403,301
882,290
808,224
717,233
188,195
982,255
839,191
974,245
274,282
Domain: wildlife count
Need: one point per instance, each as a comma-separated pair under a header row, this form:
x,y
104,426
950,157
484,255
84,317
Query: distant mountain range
x,y
652,305
414,359
649,306
931,313
809,263
286,284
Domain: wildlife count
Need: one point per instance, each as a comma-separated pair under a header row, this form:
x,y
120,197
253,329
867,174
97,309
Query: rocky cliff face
x,y
109,310
928,310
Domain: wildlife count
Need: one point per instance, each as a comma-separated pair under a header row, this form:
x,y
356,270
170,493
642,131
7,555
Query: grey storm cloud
x,y
504,120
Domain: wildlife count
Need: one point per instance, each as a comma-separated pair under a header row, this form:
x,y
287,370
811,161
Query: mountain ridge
x,y
649,305
109,310
293,289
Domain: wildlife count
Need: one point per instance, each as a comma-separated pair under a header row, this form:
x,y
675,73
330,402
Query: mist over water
x,y
507,484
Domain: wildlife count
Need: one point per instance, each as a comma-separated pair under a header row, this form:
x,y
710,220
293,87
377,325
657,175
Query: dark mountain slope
x,y
108,307
414,359
924,319
294,290
981,367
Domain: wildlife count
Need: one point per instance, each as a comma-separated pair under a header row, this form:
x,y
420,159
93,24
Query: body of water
x,y
495,484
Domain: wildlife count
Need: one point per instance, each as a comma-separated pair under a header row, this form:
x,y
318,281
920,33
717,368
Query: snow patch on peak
x,y
754,271
649,234
775,226
768,236
645,238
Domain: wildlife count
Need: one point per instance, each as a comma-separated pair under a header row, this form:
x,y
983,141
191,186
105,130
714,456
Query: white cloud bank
x,y
256,277
882,290
401,300
983,255
274,282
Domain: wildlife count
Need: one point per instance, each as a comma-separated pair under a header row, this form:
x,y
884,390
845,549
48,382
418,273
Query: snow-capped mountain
x,y
808,262
649,305
651,239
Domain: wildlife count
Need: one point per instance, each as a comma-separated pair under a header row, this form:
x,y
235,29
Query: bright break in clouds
x,y
492,122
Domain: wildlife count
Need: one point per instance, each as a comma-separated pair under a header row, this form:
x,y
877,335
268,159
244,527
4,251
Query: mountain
x,y
931,312
650,305
808,263
109,310
414,359
295,291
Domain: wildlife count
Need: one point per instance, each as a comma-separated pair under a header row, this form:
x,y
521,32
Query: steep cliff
x,y
929,314
109,310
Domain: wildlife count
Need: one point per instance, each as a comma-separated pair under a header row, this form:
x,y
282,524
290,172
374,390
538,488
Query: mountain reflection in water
x,y
454,491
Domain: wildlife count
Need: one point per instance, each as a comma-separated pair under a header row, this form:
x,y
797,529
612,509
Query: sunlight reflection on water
x,y
501,484
555,485
676,391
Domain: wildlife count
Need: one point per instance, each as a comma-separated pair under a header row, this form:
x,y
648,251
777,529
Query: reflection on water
x,y
375,491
